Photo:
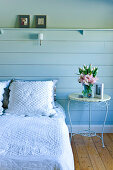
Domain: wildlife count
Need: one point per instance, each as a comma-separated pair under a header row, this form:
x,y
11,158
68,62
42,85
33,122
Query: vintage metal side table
x,y
88,132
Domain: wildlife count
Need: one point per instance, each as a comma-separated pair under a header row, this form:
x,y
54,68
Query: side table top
x,y
77,97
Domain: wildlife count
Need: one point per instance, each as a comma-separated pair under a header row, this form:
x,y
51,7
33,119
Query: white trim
x,y
96,128
59,29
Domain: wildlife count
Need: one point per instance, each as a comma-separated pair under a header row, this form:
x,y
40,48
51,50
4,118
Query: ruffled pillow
x,y
31,98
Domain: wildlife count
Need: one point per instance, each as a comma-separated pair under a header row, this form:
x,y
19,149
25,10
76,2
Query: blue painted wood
x,y
97,116
50,70
59,57
80,106
57,47
63,93
65,35
63,82
86,123
56,59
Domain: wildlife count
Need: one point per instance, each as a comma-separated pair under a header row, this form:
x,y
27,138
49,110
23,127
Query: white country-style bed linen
x,y
35,143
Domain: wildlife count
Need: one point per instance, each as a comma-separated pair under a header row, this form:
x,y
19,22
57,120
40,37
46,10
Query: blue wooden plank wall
x,y
59,57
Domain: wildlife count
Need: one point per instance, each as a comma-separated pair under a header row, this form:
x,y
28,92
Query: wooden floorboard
x,y
89,154
93,154
76,160
83,157
108,143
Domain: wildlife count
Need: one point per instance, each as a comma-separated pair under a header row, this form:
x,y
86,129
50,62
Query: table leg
x,y
69,117
89,117
104,123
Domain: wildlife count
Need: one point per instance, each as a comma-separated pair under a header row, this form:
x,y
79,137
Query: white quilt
x,y
34,143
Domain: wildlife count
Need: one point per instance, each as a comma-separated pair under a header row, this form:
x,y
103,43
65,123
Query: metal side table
x,y
88,132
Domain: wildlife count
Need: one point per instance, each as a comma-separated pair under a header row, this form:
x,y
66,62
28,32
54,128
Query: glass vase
x,y
87,91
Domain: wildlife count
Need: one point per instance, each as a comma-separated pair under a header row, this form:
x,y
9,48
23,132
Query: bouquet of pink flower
x,y
88,77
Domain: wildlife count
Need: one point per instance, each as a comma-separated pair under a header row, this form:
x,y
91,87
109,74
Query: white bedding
x,y
35,143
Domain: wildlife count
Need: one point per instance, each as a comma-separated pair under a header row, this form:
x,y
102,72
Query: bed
x,y
36,142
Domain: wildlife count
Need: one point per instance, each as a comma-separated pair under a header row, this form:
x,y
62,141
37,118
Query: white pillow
x,y
3,85
31,98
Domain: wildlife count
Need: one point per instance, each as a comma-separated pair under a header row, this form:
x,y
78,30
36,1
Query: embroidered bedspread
x,y
34,143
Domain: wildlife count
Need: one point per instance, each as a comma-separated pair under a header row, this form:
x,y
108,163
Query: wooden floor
x,y
89,154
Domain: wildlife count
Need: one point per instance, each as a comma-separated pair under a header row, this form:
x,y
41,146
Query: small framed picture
x,y
40,21
99,90
24,21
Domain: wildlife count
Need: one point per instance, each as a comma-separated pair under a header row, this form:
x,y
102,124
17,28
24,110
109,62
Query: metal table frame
x,y
88,132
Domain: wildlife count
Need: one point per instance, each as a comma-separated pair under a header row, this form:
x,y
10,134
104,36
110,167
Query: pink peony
x,y
87,79
81,78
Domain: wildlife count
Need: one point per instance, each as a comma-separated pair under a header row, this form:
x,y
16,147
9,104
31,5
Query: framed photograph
x,y
99,90
24,21
40,21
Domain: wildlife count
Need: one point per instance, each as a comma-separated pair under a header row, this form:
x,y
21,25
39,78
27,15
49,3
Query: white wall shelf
x,y
61,29
80,30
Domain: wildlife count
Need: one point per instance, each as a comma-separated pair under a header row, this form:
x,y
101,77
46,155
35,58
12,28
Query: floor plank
x,y
76,160
108,143
84,160
104,154
89,154
93,154
111,136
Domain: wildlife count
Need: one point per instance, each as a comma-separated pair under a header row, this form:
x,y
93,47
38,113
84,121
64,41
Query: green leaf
x,y
80,70
89,69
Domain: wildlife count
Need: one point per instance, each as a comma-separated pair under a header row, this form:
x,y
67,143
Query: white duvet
x,y
35,143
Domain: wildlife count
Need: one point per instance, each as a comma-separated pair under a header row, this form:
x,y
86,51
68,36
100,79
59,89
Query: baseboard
x,y
96,128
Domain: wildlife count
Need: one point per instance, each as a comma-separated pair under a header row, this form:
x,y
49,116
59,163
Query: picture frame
x,y
99,90
24,21
40,21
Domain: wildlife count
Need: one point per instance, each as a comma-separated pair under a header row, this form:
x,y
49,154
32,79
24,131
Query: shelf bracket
x,y
81,32
1,31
